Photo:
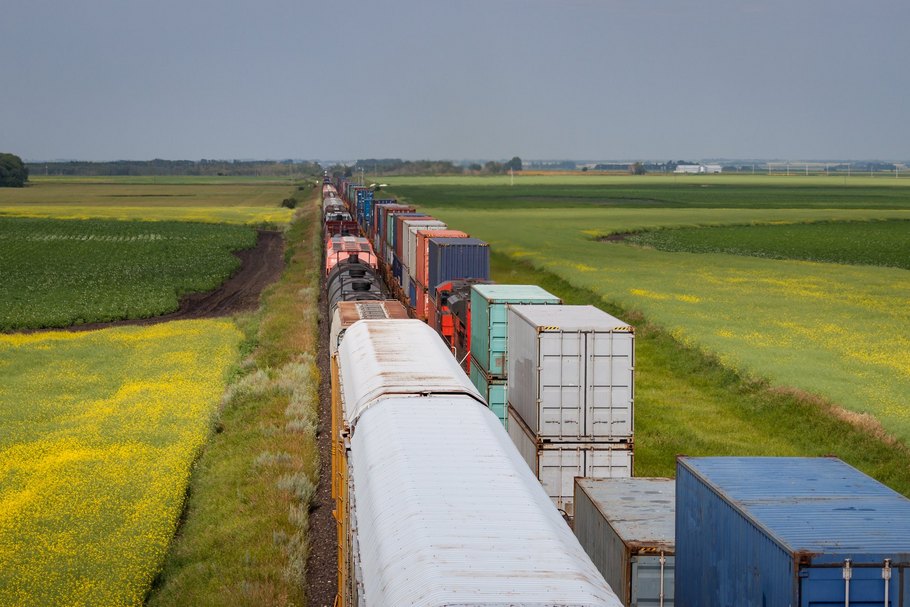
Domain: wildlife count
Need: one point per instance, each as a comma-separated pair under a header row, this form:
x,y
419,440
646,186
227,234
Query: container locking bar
x,y
848,573
886,575
662,561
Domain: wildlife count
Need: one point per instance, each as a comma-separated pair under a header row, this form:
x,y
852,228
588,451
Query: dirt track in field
x,y
259,267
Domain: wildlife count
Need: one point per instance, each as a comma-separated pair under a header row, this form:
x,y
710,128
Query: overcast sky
x,y
456,79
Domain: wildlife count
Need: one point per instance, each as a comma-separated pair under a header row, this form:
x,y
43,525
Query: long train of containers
x,y
444,281
747,531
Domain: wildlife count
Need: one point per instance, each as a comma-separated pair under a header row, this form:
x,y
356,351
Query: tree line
x,y
206,168
397,166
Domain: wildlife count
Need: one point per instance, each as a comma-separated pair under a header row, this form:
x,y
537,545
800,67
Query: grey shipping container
x,y
490,321
570,372
626,527
557,464
451,258
788,531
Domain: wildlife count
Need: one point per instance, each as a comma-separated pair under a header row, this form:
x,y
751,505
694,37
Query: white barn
x,y
698,168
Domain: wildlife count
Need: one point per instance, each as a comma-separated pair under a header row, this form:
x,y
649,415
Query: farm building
x,y
698,168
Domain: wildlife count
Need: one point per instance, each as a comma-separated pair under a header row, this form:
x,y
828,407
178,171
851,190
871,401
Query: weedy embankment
x,y
244,540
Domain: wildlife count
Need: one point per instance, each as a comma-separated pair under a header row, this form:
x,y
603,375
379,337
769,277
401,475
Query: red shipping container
x,y
422,297
423,248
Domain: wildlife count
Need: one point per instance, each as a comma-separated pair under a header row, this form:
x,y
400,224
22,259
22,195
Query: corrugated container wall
x,y
557,464
409,229
490,321
493,389
805,532
423,251
626,525
410,257
571,372
394,228
451,258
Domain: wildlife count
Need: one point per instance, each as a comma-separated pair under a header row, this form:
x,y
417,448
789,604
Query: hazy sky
x,y
593,79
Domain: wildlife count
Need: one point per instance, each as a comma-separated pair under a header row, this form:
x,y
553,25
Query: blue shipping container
x,y
412,294
451,258
788,531
365,207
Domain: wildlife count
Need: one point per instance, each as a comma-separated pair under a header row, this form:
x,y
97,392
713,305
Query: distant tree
x,y
474,167
493,167
13,173
637,168
514,164
584,169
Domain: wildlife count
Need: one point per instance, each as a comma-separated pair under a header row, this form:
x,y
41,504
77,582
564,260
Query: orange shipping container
x,y
423,247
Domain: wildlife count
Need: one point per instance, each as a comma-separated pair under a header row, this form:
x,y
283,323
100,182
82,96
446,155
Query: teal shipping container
x,y
493,390
490,321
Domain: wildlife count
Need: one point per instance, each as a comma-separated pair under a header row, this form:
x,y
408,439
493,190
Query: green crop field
x,y
708,191
834,331
54,273
878,243
98,433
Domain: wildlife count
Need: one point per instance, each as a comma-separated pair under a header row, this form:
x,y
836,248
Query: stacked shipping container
x,y
570,394
626,525
489,337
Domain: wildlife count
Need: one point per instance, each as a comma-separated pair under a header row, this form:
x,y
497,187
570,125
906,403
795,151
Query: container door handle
x,y
847,573
662,561
886,575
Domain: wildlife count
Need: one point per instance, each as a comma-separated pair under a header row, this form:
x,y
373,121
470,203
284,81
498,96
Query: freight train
x,y
434,504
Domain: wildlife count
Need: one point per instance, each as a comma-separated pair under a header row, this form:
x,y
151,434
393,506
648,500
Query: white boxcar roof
x,y
570,318
378,358
448,513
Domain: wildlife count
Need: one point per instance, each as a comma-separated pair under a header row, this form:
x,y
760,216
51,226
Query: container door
x,y
561,386
647,572
557,469
608,411
825,587
499,337
608,463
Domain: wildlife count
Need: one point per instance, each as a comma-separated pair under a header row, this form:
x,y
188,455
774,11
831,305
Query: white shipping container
x,y
409,248
557,464
570,374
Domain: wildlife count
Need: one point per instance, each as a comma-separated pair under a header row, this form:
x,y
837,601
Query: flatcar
x,y
348,312
434,504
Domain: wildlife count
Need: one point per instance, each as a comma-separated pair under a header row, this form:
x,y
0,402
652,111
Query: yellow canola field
x,y
98,432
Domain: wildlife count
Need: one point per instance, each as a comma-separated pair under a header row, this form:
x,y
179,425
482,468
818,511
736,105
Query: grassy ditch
x,y
244,538
687,402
